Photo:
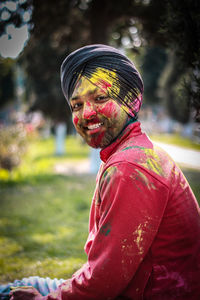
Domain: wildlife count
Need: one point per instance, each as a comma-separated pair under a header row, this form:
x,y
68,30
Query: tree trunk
x,y
99,21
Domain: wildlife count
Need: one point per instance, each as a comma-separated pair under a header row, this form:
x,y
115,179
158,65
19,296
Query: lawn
x,y
44,216
176,139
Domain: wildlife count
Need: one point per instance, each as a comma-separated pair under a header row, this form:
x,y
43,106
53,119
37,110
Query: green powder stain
x,y
132,147
109,173
146,181
105,229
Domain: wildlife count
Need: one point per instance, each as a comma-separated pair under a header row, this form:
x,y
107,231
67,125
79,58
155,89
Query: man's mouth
x,y
94,126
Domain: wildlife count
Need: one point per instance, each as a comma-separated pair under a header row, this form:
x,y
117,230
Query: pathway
x,y
186,157
183,156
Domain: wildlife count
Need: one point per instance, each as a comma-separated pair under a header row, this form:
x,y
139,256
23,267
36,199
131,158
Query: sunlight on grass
x,y
44,226
175,139
40,159
4,175
44,238
8,247
49,267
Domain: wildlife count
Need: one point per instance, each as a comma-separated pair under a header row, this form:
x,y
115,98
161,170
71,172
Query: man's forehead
x,y
101,78
83,86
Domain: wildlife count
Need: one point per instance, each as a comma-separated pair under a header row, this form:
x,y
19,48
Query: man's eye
x,y
101,98
76,106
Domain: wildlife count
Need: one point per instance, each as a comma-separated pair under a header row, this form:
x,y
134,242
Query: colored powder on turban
x,y
107,68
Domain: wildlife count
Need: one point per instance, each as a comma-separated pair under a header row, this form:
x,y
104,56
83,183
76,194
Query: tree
x,y
62,27
182,30
6,81
172,89
154,61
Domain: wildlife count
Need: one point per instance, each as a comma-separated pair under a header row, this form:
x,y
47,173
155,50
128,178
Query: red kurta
x,y
144,233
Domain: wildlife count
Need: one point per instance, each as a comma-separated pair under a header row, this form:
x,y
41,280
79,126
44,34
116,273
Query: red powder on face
x,y
96,140
104,84
108,110
89,111
75,120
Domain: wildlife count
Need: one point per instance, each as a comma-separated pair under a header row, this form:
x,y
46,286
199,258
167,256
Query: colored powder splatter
x,y
108,173
132,102
138,239
152,162
133,147
149,184
105,229
109,110
83,86
104,84
108,81
102,75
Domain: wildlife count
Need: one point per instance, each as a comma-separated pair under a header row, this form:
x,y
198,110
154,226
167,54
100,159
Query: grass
x,y
44,227
44,216
38,164
193,178
175,139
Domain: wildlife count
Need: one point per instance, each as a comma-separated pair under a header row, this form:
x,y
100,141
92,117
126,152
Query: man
x,y
144,225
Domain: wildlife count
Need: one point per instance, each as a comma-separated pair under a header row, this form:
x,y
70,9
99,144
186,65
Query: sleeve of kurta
x,y
131,206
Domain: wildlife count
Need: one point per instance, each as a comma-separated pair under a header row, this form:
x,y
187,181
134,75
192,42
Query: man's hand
x,y
25,293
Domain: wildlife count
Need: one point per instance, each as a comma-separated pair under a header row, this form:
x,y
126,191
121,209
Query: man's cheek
x,y
75,120
109,110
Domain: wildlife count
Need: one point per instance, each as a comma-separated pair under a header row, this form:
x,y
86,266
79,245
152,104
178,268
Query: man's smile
x,y
92,128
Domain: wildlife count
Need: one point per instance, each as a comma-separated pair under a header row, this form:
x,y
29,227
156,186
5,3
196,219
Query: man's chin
x,y
95,146
94,142
106,141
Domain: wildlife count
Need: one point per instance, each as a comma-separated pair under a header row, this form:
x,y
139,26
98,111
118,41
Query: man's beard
x,y
106,140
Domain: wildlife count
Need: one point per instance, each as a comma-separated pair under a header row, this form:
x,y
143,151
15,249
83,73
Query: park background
x,y
46,179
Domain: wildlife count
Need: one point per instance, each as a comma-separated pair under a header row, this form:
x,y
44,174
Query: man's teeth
x,y
94,126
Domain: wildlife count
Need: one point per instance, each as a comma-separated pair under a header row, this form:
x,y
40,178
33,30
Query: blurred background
x,y
47,173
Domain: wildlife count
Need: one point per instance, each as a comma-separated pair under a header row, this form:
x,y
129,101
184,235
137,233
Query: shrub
x,y
13,144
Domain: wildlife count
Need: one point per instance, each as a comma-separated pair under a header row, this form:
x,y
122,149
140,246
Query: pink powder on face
x,y
138,103
75,120
89,111
104,84
96,141
108,109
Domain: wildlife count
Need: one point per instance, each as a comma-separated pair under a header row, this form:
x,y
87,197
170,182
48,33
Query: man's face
x,y
96,117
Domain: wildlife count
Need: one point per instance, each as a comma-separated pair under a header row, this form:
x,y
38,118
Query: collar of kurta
x,y
132,129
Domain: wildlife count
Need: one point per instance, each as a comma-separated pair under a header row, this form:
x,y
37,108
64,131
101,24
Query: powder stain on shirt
x,y
152,162
138,234
144,178
105,229
109,172
175,277
127,250
133,147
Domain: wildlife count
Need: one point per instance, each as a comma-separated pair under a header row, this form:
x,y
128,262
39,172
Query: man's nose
x,y
89,111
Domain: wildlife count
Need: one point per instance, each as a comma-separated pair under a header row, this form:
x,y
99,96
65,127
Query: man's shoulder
x,y
142,153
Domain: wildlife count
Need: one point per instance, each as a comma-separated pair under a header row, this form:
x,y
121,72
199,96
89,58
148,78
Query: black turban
x,y
107,68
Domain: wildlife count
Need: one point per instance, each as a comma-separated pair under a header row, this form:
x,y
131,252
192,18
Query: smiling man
x,y
144,226
97,117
